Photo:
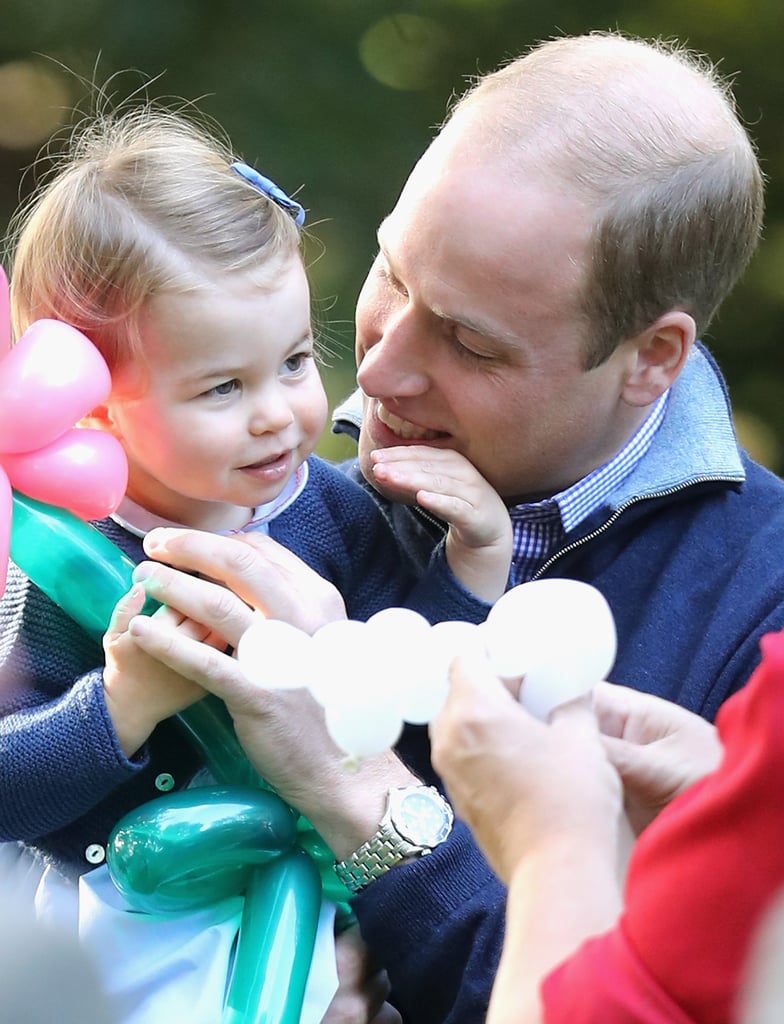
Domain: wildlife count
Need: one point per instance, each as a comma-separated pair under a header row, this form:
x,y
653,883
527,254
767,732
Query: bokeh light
x,y
35,104
405,51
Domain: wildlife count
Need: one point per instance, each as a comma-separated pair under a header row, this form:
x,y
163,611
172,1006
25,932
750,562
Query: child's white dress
x,y
154,968
158,969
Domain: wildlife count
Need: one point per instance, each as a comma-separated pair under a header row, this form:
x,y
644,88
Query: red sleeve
x,y
703,875
700,879
605,982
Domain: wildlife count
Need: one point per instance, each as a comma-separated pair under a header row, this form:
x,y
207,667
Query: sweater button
x,y
164,782
95,854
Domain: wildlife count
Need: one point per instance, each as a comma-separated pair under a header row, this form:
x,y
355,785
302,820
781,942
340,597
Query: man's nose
x,y
395,363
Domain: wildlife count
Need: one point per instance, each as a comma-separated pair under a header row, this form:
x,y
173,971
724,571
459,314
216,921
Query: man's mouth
x,y
403,428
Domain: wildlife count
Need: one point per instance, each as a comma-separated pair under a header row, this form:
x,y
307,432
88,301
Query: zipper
x,y
666,493
438,523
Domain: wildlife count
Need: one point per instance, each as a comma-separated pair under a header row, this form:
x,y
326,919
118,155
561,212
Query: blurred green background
x,y
336,99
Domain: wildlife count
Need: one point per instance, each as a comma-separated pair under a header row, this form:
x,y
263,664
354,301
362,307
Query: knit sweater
x,y
687,553
65,780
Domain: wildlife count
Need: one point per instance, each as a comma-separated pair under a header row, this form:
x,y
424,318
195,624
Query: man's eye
x,y
391,281
471,354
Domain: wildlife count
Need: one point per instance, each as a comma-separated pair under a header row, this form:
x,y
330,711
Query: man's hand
x,y
519,783
282,732
362,987
657,747
262,572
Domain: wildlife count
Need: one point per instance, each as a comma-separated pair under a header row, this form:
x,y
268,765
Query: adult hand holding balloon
x,y
558,635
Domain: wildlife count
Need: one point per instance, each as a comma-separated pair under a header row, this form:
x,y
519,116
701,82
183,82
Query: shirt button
x,y
164,782
95,854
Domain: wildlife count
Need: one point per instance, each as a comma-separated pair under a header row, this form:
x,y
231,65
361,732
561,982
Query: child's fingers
x,y
443,463
451,509
413,476
187,627
127,607
418,453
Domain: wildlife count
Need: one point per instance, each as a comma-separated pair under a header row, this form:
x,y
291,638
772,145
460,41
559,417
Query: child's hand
x,y
479,542
140,691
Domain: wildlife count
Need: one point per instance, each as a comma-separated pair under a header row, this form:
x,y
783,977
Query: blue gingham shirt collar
x,y
577,502
540,525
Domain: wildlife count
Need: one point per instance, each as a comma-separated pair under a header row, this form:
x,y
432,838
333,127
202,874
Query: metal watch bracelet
x,y
373,859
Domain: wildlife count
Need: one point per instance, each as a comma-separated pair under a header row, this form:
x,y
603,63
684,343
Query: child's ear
x,y
100,419
659,355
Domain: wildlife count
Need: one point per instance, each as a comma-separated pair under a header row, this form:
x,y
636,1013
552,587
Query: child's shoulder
x,y
334,501
328,478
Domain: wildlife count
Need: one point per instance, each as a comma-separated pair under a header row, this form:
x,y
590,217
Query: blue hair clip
x,y
271,190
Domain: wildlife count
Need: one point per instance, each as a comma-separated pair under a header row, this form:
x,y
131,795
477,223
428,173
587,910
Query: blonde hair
x,y
141,201
647,132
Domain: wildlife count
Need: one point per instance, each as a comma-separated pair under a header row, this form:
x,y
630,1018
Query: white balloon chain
x,y
371,677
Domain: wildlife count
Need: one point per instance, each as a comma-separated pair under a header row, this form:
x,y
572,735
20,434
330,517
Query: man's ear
x,y
659,354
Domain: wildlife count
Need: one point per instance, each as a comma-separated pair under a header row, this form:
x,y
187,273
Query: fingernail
x,y
142,572
156,539
138,625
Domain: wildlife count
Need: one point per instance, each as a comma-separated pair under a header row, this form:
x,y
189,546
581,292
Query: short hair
x,y
648,133
140,201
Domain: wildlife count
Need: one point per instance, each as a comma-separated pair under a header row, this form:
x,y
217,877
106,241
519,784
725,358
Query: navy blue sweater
x,y
690,555
64,780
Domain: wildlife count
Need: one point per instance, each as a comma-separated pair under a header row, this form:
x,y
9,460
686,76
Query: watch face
x,y
423,819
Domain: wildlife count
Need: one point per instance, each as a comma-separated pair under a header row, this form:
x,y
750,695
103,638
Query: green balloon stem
x,y
82,571
85,574
280,918
211,730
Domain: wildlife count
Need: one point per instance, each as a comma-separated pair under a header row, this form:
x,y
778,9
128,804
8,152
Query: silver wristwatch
x,y
416,820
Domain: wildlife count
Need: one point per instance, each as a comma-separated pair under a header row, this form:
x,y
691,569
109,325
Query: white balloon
x,y
363,730
275,654
425,690
455,637
421,703
399,639
343,655
401,623
402,662
559,634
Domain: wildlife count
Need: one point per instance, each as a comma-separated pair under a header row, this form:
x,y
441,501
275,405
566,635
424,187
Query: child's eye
x,y
296,363
226,388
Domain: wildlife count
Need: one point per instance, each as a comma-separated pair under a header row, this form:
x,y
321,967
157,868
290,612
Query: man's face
x,y
469,334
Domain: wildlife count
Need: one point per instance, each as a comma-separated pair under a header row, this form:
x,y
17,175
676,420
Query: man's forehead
x,y
446,298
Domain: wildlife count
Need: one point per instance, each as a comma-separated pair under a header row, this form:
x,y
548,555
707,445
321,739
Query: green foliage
x,y
336,99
